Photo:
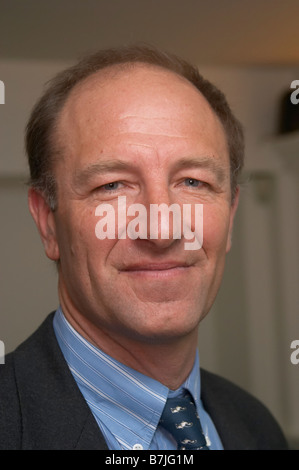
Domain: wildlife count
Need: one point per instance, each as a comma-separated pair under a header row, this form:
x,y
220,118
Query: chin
x,y
166,329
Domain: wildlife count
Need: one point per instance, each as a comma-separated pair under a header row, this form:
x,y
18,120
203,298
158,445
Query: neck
x,y
169,362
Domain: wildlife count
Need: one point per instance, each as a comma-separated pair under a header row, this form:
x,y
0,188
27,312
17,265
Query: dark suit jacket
x,y
41,406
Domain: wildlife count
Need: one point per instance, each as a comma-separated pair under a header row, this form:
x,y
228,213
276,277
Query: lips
x,y
149,266
158,270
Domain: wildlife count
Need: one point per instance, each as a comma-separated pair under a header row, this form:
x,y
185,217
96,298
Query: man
x,y
138,126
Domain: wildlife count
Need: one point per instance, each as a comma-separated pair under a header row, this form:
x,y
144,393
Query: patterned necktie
x,y
180,418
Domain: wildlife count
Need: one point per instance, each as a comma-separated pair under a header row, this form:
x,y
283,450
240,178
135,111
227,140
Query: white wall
x,y
27,278
262,277
247,335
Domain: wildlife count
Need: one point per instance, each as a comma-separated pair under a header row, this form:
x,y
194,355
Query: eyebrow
x,y
205,163
82,177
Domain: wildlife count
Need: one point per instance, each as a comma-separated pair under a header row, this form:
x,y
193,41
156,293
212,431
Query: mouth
x,y
157,270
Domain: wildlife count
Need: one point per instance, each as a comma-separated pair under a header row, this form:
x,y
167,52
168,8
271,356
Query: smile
x,y
157,271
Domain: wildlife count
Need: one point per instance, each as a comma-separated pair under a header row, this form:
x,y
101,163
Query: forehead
x,y
138,100
121,80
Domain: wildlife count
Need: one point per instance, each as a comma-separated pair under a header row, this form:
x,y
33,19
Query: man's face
x,y
149,135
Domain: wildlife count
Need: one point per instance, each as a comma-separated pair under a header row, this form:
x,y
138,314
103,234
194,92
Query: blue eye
x,y
191,182
111,186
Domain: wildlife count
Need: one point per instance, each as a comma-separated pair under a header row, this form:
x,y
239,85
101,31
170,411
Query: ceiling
x,y
210,32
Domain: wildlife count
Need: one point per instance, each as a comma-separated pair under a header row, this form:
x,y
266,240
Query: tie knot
x,y
181,420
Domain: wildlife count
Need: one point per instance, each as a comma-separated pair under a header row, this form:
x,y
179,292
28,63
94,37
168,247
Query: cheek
x,y
215,230
76,235
93,252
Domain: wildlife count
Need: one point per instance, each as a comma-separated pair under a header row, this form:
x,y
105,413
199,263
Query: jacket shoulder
x,y
20,360
241,419
10,417
41,406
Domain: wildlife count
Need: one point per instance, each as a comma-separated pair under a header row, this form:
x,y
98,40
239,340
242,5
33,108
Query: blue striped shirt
x,y
126,404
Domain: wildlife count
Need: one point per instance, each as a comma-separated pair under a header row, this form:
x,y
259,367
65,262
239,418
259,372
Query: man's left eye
x,y
193,183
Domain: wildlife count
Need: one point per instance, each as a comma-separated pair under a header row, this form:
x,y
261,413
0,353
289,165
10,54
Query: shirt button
x,y
137,447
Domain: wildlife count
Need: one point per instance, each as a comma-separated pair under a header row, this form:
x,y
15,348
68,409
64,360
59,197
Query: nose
x,y
163,215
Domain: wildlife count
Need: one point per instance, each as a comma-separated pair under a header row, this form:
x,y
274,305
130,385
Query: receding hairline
x,y
43,145
118,69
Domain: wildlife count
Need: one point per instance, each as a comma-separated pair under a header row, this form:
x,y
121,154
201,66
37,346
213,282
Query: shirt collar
x,y
123,400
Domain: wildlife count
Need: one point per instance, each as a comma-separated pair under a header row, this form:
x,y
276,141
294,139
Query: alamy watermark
x,y
157,224
2,92
295,354
295,94
2,352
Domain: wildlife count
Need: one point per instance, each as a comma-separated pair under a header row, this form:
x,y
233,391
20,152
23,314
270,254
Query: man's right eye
x,y
111,186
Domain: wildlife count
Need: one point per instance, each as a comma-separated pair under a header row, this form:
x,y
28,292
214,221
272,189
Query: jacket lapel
x,y
220,405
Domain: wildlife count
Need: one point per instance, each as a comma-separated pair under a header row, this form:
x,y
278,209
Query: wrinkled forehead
x,y
144,104
135,85
136,90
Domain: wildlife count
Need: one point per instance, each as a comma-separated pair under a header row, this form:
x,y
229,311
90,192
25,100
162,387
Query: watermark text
x,y
163,222
295,94
2,92
295,354
2,352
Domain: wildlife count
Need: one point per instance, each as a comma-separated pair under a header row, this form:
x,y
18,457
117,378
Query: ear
x,y
233,211
45,222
